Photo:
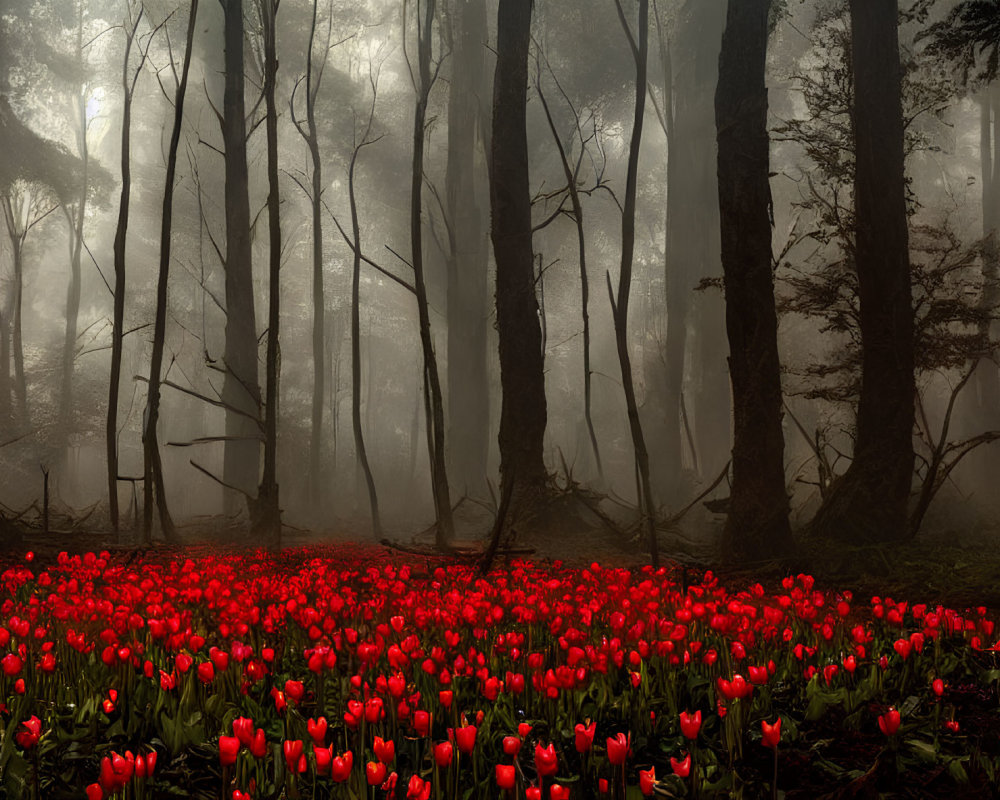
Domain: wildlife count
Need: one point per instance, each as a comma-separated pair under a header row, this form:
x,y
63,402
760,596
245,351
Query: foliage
x,y
316,672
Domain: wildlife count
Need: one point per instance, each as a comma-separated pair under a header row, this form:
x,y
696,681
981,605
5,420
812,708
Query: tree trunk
x,y
869,503
76,244
987,376
620,302
153,467
445,530
240,389
522,381
311,135
468,315
757,525
692,225
118,319
359,438
267,510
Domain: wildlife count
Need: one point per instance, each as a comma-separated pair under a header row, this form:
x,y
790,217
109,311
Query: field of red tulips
x,y
352,673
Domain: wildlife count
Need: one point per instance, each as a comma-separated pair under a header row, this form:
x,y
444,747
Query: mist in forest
x,y
363,160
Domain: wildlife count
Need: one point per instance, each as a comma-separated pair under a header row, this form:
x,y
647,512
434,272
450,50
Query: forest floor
x,y
954,568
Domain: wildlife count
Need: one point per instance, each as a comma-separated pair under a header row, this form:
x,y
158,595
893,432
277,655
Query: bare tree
x,y
152,464
267,511
128,81
423,82
639,46
312,81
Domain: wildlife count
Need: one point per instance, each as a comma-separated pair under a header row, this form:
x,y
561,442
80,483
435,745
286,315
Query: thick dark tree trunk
x,y
267,511
757,525
620,303
468,315
240,389
153,484
869,503
118,318
522,381
445,530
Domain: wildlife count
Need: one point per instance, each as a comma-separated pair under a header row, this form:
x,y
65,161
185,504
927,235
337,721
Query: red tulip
x,y
418,788
681,768
533,793
511,745
602,785
647,779
690,724
618,749
445,697
421,723
937,685
341,766
375,772
889,722
384,751
292,749
206,672
95,792
583,737
770,734
294,690
546,760
506,776
317,730
258,747
523,729
442,754
324,756
11,665
229,748
243,730
558,792
466,739
29,733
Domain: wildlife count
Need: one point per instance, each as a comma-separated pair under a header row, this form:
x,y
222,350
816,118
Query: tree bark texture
x,y
267,510
468,312
240,389
757,525
870,501
522,381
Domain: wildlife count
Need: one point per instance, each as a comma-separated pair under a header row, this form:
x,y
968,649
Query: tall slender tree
x,y
267,509
129,79
153,483
639,45
523,408
432,382
310,133
757,524
869,502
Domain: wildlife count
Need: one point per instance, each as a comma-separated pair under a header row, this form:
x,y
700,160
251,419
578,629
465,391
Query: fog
x,y
61,124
